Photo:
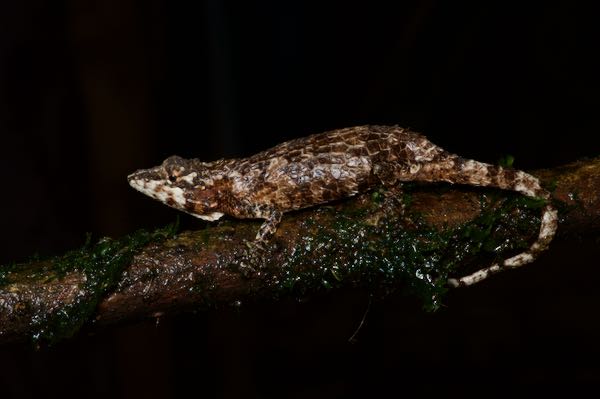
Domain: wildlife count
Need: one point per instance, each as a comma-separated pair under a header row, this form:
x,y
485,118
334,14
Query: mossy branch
x,y
368,241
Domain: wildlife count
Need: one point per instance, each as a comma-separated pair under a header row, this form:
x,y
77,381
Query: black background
x,y
92,90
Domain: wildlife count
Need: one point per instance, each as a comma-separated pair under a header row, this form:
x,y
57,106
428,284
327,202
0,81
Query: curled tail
x,y
461,171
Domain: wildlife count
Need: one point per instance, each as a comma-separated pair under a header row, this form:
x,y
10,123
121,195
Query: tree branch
x,y
368,241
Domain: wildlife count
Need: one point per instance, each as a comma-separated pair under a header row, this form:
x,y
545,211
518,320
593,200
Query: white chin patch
x,y
160,191
211,217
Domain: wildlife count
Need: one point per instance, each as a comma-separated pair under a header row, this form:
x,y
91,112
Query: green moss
x,y
102,264
419,260
5,272
552,185
377,196
506,161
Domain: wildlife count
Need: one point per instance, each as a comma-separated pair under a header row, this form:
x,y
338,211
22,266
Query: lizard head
x,y
187,185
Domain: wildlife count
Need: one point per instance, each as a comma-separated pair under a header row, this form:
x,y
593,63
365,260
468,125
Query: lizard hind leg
x,y
253,257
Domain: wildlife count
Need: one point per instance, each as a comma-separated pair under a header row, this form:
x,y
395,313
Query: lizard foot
x,y
252,258
393,200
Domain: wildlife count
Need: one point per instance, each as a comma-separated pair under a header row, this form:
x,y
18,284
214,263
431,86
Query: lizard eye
x,y
172,178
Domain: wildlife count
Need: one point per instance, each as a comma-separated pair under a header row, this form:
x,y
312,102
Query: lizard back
x,y
327,166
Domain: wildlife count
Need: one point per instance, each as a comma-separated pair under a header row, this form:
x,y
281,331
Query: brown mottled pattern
x,y
325,167
322,167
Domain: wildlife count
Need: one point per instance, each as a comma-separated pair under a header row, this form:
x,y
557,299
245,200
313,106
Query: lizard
x,y
328,166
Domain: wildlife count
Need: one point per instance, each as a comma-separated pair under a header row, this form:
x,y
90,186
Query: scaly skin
x,y
325,167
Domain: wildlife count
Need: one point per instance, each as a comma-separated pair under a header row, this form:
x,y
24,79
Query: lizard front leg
x,y
256,249
269,226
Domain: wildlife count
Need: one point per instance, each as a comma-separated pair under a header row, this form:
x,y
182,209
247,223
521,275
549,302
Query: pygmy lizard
x,y
329,166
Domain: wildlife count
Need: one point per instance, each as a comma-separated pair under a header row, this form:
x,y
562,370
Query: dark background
x,y
92,90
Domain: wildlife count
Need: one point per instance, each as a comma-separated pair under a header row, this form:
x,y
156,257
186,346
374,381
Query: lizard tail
x,y
481,174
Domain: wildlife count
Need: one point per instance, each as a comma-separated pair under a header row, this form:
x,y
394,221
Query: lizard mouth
x,y
159,190
165,193
156,174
